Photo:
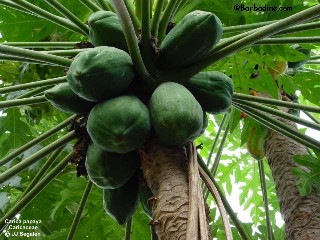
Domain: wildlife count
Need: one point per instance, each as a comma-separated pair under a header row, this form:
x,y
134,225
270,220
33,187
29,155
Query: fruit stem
x,y
63,22
289,40
311,117
301,28
182,4
242,43
225,116
42,171
315,57
34,55
265,199
239,225
216,161
21,59
275,102
92,6
79,212
250,26
24,101
36,140
15,6
104,5
135,21
138,9
65,53
39,83
33,92
215,193
313,62
69,15
278,126
167,15
128,229
145,28
294,29
41,44
25,200
132,43
37,156
177,7
156,18
278,113
145,44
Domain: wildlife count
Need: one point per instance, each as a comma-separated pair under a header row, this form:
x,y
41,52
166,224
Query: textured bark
x,y
166,173
301,214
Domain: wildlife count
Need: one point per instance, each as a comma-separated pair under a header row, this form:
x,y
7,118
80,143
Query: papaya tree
x,y
128,119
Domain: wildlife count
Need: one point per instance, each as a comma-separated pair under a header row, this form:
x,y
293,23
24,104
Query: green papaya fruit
x,y
255,142
110,170
100,73
120,124
121,203
205,123
175,114
190,40
298,64
144,195
213,90
105,30
63,98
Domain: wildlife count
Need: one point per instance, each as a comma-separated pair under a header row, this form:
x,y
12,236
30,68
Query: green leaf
x,y
307,177
16,131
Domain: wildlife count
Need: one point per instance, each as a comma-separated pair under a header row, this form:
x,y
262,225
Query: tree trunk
x,y
166,173
301,214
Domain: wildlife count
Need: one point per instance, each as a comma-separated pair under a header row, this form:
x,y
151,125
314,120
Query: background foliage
x,y
237,172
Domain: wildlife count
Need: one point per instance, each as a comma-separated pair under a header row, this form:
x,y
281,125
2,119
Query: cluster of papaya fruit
x,y
119,121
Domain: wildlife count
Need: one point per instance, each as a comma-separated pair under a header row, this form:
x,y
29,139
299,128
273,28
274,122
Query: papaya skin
x,y
176,115
100,73
105,30
255,143
110,170
121,203
213,90
63,98
120,124
190,40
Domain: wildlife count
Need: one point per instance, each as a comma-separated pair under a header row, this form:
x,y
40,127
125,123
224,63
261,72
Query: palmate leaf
x,y
26,27
306,82
15,132
17,25
308,179
58,214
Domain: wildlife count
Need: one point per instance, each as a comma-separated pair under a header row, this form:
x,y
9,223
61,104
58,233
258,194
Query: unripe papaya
x,y
205,122
279,68
255,142
105,30
110,170
190,40
120,124
175,114
100,73
121,203
63,98
213,90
